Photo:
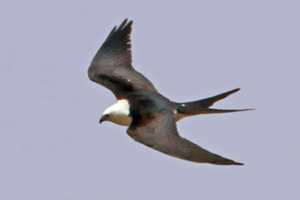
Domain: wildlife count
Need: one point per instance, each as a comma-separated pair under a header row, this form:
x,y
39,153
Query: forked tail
x,y
203,106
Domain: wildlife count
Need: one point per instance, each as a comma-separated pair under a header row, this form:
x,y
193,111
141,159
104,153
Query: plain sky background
x,y
52,147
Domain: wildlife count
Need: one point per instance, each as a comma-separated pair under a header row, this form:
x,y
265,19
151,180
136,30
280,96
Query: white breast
x,y
123,120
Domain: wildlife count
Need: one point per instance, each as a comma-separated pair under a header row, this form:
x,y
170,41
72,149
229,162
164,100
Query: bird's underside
x,y
153,117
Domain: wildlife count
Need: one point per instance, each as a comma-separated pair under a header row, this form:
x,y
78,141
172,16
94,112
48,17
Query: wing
x,y
154,126
111,66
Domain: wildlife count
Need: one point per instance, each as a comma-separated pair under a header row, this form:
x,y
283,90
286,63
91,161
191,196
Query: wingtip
x,y
126,20
130,23
112,31
125,24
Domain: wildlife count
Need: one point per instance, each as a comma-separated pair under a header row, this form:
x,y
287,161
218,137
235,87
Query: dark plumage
x,y
153,116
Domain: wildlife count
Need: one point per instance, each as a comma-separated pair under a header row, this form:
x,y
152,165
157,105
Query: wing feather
x,y
153,124
111,66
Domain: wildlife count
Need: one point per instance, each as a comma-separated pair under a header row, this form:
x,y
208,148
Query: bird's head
x,y
108,114
117,113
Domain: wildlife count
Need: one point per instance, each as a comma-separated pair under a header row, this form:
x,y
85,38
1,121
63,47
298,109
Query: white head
x,y
117,113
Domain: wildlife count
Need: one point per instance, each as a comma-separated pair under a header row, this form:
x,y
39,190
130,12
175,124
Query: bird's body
x,y
150,117
118,113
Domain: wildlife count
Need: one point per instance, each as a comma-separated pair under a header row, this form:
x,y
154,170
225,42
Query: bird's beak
x,y
102,119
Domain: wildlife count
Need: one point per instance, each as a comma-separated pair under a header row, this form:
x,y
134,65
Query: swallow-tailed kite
x,y
150,117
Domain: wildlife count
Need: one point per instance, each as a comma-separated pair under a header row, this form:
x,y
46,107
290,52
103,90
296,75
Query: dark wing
x,y
111,66
154,125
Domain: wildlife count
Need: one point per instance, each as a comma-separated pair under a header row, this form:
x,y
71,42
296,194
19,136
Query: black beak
x,y
102,119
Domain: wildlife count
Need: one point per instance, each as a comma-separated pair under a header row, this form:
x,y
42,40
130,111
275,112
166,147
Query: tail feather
x,y
202,106
208,102
216,111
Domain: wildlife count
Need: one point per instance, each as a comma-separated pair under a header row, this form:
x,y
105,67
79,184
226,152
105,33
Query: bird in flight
x,y
151,118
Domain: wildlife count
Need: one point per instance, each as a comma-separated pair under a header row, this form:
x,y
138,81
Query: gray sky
x,y
52,147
